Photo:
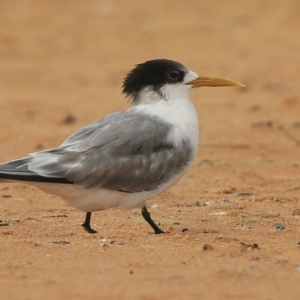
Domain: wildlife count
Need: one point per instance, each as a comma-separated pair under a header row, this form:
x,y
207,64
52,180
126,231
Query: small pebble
x,y
117,242
6,196
224,201
249,246
3,224
105,240
69,119
246,227
219,213
184,230
254,246
205,203
61,242
279,227
207,247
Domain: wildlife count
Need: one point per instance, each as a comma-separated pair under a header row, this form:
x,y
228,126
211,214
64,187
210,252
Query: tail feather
x,y
17,170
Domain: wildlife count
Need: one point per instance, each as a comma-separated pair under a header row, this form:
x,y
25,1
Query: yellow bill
x,y
214,82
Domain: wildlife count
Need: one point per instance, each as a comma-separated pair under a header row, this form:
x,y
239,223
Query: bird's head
x,y
159,79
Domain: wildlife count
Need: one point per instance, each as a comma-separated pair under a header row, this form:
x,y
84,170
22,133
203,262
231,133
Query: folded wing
x,y
123,151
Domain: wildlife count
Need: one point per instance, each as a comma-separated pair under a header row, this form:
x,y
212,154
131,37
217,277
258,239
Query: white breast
x,y
180,112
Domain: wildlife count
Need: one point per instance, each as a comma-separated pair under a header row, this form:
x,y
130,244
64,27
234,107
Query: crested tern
x,y
127,157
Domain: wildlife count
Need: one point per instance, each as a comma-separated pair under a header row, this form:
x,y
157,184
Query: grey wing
x,y
84,133
130,154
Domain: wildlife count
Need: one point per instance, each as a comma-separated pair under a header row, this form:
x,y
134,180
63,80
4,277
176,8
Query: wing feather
x,y
123,151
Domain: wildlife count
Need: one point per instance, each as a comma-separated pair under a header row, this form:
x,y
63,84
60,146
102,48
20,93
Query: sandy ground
x,y
233,221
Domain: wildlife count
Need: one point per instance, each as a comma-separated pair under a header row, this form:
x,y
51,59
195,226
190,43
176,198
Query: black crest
x,y
153,73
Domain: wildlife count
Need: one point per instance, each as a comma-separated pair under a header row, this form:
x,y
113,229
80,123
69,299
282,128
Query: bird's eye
x,y
174,75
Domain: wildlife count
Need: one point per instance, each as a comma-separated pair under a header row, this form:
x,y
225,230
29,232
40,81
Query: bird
x,y
129,156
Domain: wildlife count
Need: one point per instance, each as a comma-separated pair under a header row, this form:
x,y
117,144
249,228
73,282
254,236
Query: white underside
x,y
101,199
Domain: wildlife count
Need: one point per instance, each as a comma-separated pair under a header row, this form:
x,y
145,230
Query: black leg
x,y
147,217
87,223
